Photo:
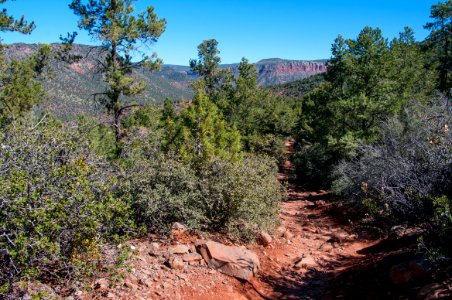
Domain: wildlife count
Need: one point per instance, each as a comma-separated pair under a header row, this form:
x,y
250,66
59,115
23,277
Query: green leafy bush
x,y
56,203
443,223
232,197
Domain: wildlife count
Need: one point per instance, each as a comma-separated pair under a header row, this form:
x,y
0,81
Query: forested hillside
x,y
72,84
340,183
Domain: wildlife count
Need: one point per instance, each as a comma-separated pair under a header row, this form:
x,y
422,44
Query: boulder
x,y
421,268
230,260
264,239
417,270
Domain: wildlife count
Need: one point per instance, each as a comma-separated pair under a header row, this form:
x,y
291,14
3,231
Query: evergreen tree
x,y
201,133
440,40
217,81
121,32
9,23
368,80
241,109
20,86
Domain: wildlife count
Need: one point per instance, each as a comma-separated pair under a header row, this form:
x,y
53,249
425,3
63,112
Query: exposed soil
x,y
315,254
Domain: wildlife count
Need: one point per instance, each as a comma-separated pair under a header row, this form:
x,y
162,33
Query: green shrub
x,y
443,223
163,190
56,203
232,197
268,144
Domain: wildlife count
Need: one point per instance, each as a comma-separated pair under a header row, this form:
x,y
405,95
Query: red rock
x,y
191,257
179,249
421,268
288,235
178,226
306,262
230,260
176,263
264,239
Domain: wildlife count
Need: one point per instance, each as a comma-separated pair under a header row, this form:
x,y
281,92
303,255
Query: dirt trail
x,y
309,252
311,248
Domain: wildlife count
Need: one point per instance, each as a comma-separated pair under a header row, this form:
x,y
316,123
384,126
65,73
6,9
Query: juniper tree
x,y
200,133
121,32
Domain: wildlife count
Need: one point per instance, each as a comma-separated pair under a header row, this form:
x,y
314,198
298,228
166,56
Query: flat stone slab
x,y
230,260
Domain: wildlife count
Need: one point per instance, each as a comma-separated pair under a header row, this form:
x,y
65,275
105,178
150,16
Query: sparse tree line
x,y
375,128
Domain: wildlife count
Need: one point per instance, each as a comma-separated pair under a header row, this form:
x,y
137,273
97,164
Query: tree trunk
x,y
115,101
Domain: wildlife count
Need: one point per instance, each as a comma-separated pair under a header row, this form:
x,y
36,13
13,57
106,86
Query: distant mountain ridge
x,y
271,71
72,85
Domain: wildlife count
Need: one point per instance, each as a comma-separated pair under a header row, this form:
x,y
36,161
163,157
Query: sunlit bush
x,y
232,197
56,203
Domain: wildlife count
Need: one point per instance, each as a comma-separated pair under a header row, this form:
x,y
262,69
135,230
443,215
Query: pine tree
x,y
369,79
9,23
121,32
217,81
440,40
20,86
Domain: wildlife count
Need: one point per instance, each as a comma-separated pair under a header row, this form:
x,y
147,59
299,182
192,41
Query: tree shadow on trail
x,y
339,276
345,278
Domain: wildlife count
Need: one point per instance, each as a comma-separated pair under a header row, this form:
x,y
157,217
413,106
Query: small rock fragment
x,y
264,239
179,249
281,230
101,284
178,226
191,257
306,262
175,262
288,235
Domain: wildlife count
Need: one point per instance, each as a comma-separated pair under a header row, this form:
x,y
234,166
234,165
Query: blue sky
x,y
255,29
